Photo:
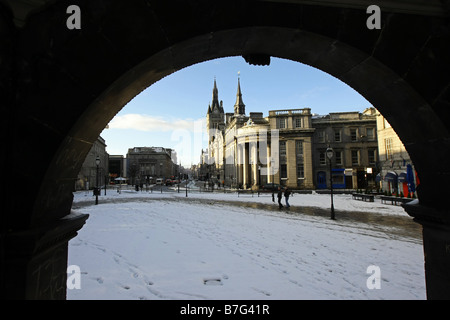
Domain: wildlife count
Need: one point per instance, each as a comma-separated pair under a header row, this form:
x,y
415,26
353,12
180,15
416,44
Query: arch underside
x,y
75,81
61,87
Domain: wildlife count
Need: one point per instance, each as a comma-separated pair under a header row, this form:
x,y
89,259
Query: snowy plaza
x,y
225,246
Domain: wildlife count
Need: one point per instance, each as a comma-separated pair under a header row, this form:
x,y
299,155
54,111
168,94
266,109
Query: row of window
x,y
298,148
282,123
338,155
300,171
355,156
355,135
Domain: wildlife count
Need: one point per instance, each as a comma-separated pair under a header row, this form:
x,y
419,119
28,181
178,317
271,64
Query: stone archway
x,y
65,85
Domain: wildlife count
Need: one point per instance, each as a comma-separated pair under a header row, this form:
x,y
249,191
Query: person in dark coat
x,y
287,193
280,196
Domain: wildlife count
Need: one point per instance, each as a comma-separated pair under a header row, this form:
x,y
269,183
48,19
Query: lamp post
x,y
97,191
330,154
272,160
160,172
179,177
259,177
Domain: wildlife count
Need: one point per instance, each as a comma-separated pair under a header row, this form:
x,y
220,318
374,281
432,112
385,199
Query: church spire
x,y
239,106
215,99
215,96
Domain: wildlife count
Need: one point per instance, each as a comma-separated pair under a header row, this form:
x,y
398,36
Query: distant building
x,y
117,165
203,167
87,178
146,164
394,161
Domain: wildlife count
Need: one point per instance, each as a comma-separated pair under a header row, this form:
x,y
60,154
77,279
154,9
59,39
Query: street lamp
x,y
259,177
329,152
272,160
179,177
97,190
160,172
187,184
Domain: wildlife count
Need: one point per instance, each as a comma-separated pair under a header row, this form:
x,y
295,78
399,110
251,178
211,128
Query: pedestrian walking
x,y
287,193
280,196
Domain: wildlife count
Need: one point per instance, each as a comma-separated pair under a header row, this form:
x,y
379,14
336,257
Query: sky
x,y
172,112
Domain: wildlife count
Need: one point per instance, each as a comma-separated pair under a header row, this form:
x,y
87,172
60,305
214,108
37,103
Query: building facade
x,y
146,164
288,147
397,174
295,152
87,178
353,138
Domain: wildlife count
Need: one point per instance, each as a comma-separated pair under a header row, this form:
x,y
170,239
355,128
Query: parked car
x,y
270,187
159,181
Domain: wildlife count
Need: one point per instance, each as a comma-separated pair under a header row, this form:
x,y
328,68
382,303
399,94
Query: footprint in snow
x,y
212,281
262,291
99,280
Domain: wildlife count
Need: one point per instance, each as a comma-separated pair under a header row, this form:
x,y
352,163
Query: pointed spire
x,y
215,98
239,106
215,92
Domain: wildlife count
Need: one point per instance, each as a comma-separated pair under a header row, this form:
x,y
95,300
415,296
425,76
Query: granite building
x,y
394,162
353,137
146,164
288,147
87,177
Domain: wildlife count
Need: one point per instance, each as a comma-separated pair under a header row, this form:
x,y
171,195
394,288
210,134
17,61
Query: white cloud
x,y
148,123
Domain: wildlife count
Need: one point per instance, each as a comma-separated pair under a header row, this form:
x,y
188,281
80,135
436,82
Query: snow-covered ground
x,y
141,245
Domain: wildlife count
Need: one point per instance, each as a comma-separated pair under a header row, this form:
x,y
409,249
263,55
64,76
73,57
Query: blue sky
x,y
169,113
